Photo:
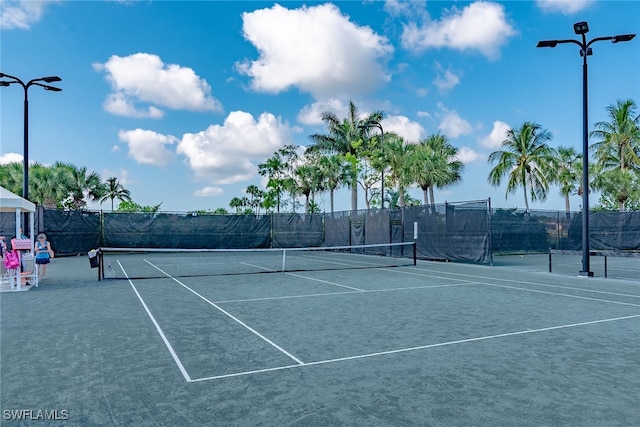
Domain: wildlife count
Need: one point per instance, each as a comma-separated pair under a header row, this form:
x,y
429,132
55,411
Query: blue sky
x,y
181,100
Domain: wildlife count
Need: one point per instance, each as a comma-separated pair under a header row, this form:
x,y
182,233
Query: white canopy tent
x,y
10,202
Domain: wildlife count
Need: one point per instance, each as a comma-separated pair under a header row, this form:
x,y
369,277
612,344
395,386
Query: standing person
x,y
3,246
44,253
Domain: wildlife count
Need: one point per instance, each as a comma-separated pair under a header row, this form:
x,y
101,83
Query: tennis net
x,y
146,263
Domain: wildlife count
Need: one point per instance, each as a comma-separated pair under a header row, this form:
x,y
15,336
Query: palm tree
x,y
11,177
435,163
527,160
83,183
568,170
335,174
618,146
236,203
308,179
619,187
342,138
114,190
256,197
275,169
49,186
397,156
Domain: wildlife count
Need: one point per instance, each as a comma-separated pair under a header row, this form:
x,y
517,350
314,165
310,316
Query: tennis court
x,y
431,344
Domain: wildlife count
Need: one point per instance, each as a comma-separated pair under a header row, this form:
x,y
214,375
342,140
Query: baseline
x,y
486,279
524,282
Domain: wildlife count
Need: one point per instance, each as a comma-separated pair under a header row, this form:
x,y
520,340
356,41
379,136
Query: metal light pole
x,y
582,28
25,149
371,124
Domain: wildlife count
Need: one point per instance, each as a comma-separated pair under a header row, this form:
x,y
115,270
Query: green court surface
x,y
438,344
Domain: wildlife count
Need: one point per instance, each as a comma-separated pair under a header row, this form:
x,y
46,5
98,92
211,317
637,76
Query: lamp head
x,y
5,83
51,79
547,43
51,88
581,27
622,38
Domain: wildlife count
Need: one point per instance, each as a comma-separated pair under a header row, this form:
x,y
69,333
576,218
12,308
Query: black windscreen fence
x,y
71,232
468,232
186,231
297,230
336,229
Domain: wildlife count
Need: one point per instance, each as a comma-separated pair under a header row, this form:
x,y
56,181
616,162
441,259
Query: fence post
x,y
558,231
490,226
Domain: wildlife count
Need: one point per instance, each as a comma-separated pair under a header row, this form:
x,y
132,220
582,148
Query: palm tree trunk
x,y
306,204
354,195
425,195
401,196
566,204
112,204
526,199
331,197
433,199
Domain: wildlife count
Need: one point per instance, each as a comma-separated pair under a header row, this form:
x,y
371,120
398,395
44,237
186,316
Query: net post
x,y
549,260
605,266
100,264
415,253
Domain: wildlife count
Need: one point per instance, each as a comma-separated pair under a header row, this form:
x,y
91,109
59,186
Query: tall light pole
x,y
582,28
25,148
371,124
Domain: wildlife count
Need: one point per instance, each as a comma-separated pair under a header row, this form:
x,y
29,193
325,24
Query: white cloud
x,y
228,153
451,123
422,92
566,7
411,131
22,13
423,114
147,146
144,78
481,26
316,49
115,148
497,135
312,114
413,8
208,191
121,105
10,158
467,155
446,79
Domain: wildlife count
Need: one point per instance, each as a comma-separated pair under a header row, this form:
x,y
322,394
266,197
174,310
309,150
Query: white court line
x,y
303,277
176,359
421,347
530,283
326,281
558,294
486,279
345,293
249,328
